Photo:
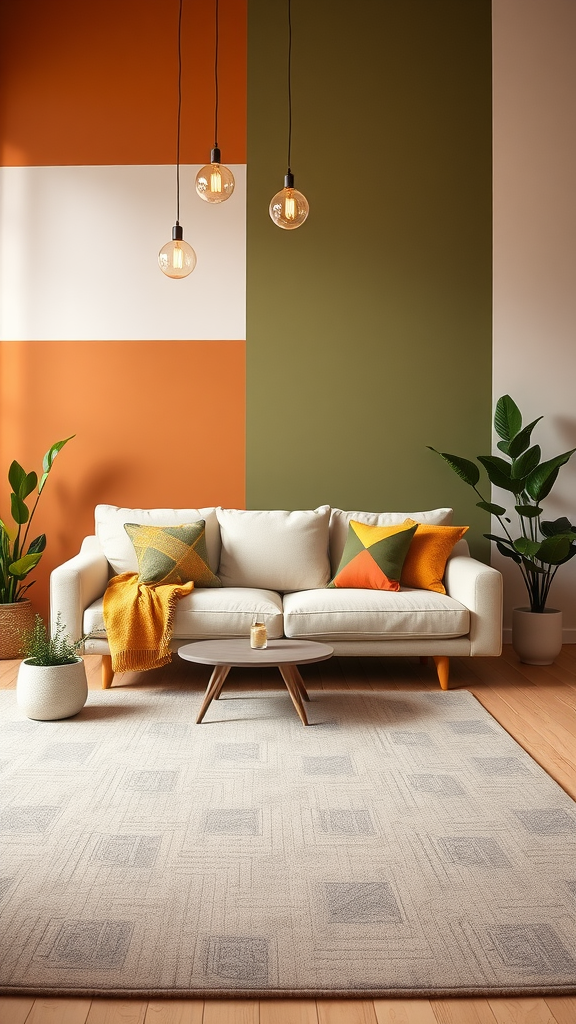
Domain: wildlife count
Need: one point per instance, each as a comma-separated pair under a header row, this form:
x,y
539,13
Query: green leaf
x,y
489,506
29,485
532,567
507,418
526,463
542,479
545,491
570,555
528,511
520,443
16,477
4,528
498,540
38,544
503,446
562,525
554,549
527,547
53,452
19,509
499,473
23,566
466,470
508,552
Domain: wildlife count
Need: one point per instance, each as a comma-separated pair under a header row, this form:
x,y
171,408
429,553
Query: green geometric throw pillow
x,y
373,556
172,554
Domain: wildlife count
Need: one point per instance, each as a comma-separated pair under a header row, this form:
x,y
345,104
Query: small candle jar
x,y
258,635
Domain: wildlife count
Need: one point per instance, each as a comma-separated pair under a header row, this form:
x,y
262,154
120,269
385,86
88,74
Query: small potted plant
x,y
52,678
18,554
543,545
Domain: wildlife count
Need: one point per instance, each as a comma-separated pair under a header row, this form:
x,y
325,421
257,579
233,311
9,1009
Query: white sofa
x,y
278,564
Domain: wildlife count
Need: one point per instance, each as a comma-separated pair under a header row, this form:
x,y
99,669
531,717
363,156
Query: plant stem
x,y
507,532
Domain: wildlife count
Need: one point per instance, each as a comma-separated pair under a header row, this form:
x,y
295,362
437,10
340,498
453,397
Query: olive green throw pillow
x,y
172,554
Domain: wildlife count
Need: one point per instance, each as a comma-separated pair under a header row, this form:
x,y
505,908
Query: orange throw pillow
x,y
428,553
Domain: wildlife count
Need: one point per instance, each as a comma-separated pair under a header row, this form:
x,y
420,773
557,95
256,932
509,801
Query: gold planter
x,y
14,619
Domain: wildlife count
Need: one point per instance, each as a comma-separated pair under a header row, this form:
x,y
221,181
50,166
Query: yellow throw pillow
x,y
172,554
425,563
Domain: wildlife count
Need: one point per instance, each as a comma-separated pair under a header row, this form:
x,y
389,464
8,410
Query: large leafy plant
x,y
18,556
543,545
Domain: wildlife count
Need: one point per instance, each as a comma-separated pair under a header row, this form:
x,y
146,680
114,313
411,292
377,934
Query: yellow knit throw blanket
x,y
138,621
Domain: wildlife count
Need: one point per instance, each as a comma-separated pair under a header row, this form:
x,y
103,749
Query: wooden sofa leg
x,y
107,673
443,669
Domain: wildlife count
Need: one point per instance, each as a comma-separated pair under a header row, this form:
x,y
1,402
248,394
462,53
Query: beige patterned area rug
x,y
403,844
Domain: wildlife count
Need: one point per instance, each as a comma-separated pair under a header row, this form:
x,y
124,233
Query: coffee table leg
x,y
298,681
293,690
215,684
219,687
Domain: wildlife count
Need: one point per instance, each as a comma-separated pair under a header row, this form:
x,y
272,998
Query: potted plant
x,y
18,555
543,545
52,678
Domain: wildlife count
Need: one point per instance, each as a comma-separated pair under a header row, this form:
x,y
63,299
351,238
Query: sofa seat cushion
x,y
212,614
373,615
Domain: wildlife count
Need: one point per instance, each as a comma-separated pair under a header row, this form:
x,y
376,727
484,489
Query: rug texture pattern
x,y
403,844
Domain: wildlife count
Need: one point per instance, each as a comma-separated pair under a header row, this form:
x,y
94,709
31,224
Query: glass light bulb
x,y
289,208
215,183
177,259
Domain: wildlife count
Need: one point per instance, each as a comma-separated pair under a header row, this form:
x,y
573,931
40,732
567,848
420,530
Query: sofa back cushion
x,y
340,520
117,546
274,550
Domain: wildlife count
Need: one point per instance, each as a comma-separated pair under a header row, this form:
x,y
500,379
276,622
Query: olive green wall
x,y
369,328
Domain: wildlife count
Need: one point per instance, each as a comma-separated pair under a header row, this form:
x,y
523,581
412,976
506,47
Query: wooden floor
x,y
537,706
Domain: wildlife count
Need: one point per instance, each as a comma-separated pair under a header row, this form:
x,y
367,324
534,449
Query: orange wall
x,y
157,423
95,82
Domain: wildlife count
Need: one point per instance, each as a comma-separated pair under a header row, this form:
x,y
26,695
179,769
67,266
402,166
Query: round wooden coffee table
x,y
286,655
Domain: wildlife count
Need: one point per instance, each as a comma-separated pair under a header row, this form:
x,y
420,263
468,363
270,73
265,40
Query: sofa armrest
x,y
479,588
75,584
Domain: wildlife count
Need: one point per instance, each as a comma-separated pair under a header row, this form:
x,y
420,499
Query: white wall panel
x,y
535,246
78,255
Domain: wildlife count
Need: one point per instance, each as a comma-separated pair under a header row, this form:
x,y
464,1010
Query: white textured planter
x,y
48,692
537,636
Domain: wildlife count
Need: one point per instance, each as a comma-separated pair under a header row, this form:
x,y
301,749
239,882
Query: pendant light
x,y
289,208
177,259
215,182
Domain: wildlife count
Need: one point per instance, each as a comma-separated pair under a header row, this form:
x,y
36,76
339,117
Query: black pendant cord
x,y
289,84
216,77
179,113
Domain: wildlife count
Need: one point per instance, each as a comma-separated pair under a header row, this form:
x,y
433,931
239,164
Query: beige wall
x,y
535,246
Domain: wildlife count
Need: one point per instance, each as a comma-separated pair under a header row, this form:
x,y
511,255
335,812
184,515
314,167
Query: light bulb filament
x,y
177,257
215,179
290,207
